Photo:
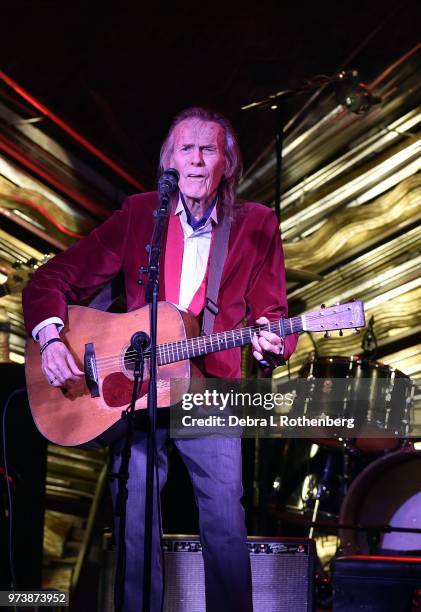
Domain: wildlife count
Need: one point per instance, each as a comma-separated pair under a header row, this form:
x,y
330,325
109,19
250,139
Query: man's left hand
x,y
266,342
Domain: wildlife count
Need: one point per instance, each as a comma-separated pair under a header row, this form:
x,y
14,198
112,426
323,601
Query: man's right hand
x,y
58,364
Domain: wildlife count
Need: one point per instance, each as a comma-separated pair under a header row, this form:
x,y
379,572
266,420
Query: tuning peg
x,y
341,333
327,334
356,331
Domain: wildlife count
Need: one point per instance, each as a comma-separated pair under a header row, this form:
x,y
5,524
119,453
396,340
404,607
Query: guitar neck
x,y
171,352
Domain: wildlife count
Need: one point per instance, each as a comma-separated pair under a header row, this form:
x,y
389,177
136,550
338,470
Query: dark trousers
x,y
214,466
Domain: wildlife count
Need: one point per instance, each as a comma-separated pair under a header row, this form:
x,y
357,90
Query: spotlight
x,y
353,95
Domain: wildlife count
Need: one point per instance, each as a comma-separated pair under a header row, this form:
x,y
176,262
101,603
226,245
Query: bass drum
x,y
375,389
386,492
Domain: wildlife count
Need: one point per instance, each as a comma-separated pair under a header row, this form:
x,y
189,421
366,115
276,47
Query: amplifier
x,y
282,573
376,583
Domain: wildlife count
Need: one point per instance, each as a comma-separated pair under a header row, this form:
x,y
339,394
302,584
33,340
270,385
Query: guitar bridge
x,y
91,372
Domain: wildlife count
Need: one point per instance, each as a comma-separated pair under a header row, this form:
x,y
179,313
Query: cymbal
x,y
297,274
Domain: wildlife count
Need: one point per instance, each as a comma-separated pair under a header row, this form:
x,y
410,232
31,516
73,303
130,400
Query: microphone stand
x,y
275,101
139,343
152,270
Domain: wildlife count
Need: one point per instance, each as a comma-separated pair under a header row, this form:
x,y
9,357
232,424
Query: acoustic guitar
x,y
91,410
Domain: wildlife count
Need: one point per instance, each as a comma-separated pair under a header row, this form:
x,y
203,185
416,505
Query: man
x,y
202,146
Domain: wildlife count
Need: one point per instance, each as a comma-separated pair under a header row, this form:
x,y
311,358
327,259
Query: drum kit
x,y
365,489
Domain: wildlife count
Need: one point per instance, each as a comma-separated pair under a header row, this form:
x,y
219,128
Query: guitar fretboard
x,y
171,352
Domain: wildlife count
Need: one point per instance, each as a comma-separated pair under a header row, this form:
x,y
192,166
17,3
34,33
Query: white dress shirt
x,y
196,254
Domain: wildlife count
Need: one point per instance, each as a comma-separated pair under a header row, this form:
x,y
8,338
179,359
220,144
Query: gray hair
x,y
233,162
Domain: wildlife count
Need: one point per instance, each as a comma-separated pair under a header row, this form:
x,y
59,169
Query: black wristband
x,y
50,341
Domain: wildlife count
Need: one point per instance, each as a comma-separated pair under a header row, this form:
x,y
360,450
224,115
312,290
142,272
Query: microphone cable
x,y
14,394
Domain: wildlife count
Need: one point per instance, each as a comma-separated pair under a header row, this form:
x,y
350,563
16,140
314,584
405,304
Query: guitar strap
x,y
216,264
111,297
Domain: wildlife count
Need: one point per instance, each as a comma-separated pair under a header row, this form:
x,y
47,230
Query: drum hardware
x,y
369,342
312,485
380,512
330,488
385,496
374,534
321,489
373,528
382,388
380,528
380,395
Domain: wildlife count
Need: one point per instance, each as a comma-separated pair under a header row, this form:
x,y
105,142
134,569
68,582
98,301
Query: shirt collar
x,y
210,213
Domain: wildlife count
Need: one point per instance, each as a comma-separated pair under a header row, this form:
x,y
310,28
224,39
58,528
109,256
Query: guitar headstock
x,y
338,317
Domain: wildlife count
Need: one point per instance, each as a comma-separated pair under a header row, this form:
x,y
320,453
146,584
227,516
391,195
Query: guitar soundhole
x,y
128,364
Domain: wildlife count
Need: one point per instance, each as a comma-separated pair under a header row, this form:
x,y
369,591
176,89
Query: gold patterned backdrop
x,y
350,213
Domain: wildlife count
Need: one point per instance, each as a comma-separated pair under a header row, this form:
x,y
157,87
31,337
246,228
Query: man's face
x,y
199,156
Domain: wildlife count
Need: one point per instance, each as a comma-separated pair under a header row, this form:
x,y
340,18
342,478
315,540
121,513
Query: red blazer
x,y
252,284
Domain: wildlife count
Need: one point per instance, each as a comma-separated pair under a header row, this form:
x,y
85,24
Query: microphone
x,y
168,183
140,342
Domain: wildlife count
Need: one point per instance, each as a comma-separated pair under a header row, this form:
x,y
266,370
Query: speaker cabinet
x,y
282,573
376,583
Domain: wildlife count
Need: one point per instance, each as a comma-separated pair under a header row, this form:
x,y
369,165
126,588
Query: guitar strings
x,y
163,349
